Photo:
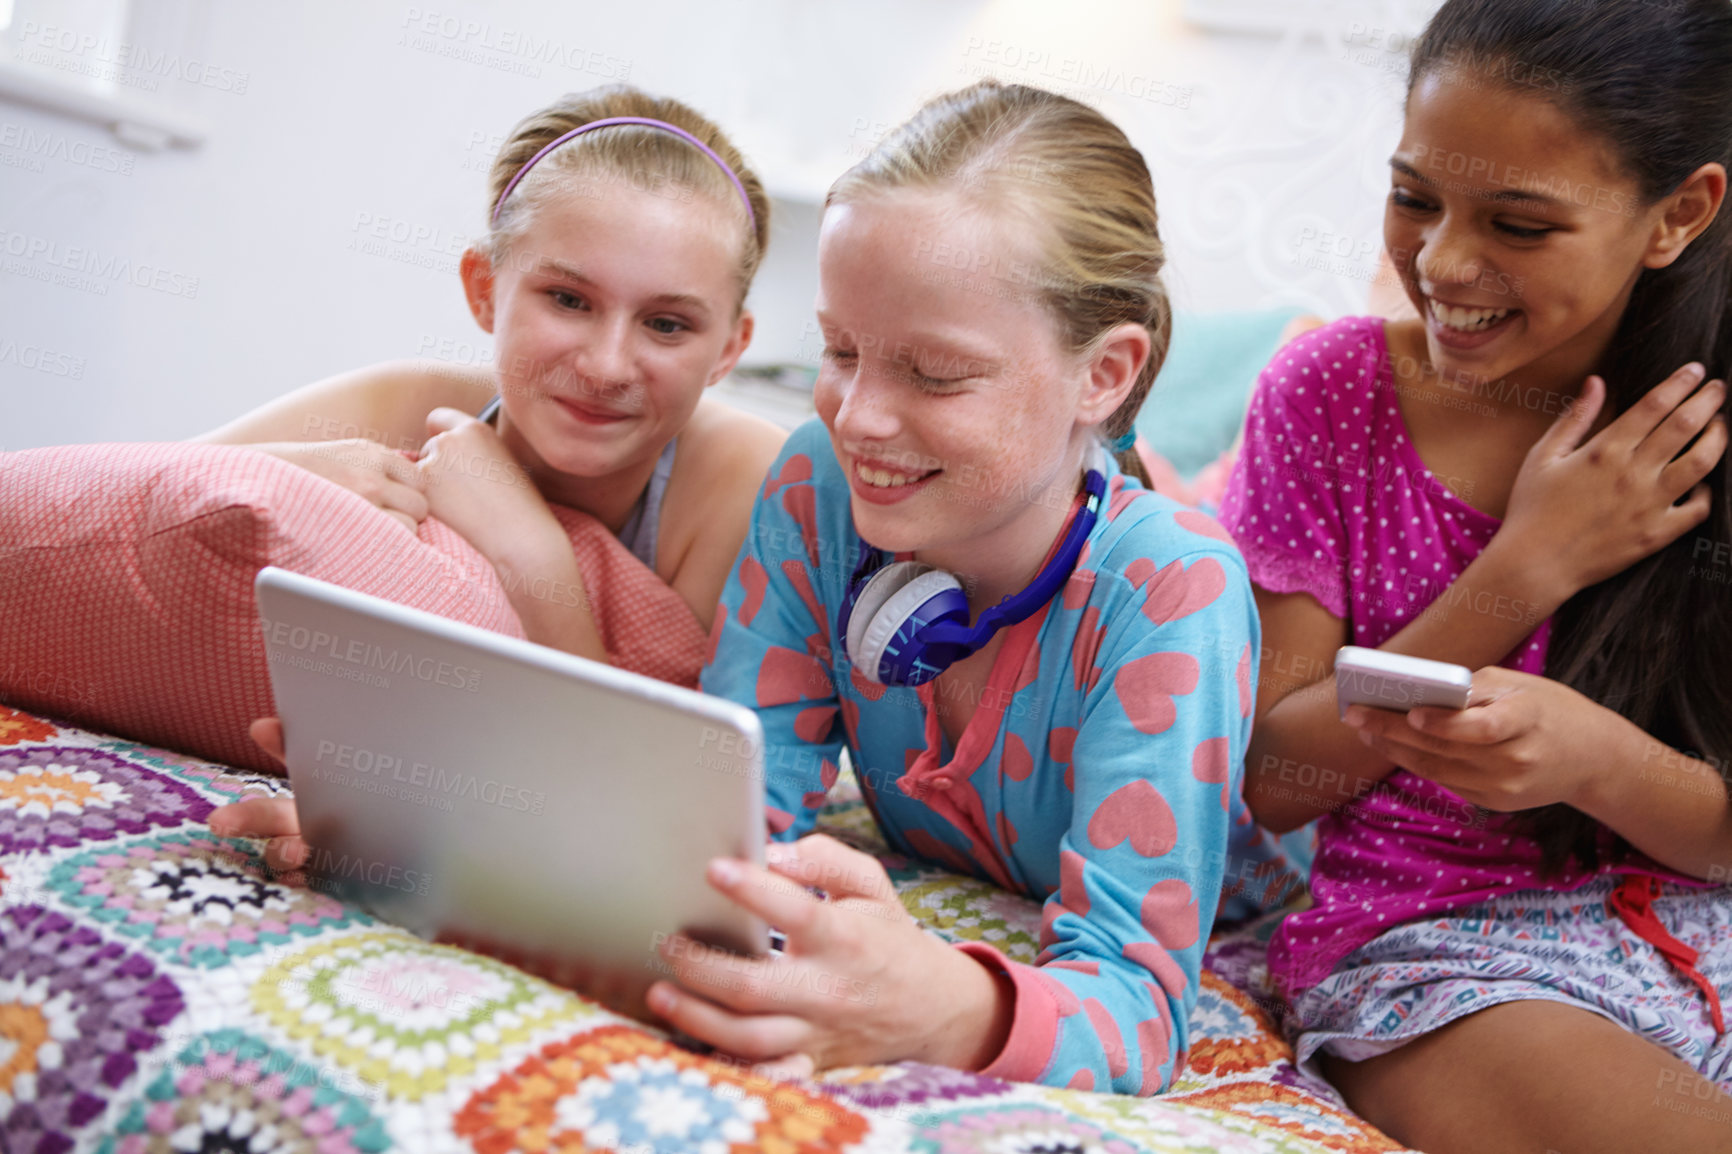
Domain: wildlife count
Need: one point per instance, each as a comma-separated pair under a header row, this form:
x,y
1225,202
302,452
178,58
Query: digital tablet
x,y
495,793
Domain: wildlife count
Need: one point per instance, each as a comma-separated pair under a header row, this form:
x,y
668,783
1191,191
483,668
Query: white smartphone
x,y
1397,681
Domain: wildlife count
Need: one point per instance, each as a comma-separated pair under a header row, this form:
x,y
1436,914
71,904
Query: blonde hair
x,y
1076,178
643,157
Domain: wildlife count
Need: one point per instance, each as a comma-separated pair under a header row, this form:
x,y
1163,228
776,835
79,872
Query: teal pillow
x,y
1194,411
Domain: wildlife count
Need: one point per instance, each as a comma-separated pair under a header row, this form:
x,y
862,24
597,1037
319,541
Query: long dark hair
x,y
1653,78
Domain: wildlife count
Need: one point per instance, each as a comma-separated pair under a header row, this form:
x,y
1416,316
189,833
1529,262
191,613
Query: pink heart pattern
x,y
795,469
1135,811
1174,591
1146,688
1170,913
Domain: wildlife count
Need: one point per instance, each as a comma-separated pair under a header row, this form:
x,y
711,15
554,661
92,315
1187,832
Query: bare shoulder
x,y
386,402
436,384
1405,340
728,447
722,459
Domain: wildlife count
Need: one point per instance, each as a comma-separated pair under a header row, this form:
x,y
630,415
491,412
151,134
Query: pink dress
x,y
1330,498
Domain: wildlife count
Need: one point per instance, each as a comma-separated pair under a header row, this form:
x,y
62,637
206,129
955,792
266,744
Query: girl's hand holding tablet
x,y
273,818
859,981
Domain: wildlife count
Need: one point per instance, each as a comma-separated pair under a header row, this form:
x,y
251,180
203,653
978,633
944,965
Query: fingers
x,y
1574,422
789,1068
1431,766
428,457
1680,475
782,902
267,817
286,855
1633,426
755,1037
386,478
743,984
256,817
267,734
1683,423
1393,729
443,451
1486,724
1494,682
405,499
443,420
1679,519
840,871
396,467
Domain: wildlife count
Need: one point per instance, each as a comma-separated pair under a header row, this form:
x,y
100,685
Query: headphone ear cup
x,y
929,595
875,590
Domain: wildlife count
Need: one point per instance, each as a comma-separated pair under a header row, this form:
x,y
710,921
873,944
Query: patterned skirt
x,y
1531,945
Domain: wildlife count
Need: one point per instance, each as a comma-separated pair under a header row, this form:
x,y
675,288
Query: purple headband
x,y
644,120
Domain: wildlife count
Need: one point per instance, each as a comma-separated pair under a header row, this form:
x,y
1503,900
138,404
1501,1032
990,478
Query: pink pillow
x,y
645,625
126,583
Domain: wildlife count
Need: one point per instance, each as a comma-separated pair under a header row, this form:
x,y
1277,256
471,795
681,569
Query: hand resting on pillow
x,y
388,478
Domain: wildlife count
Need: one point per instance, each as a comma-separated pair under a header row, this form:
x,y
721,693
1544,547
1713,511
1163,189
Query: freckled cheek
x,y
826,400
992,461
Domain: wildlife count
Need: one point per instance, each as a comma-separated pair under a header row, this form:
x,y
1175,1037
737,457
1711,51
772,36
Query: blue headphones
x,y
904,623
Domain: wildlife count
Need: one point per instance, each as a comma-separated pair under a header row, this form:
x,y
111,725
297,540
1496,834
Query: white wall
x,y
259,269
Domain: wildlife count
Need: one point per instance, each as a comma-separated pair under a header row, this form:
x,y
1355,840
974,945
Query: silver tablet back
x,y
484,790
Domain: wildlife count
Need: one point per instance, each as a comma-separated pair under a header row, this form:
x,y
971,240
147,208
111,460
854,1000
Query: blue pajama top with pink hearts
x,y
1100,772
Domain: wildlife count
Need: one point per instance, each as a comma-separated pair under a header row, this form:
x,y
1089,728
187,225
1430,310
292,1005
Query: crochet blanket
x,y
158,992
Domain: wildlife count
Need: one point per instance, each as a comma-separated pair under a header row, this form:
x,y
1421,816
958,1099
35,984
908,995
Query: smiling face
x,y
1516,234
611,314
952,405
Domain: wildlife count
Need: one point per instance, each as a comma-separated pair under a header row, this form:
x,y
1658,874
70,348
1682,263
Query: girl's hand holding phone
x,y
859,980
1523,741
1579,513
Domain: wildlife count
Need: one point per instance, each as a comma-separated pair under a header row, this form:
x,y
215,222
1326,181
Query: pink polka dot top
x,y
1329,497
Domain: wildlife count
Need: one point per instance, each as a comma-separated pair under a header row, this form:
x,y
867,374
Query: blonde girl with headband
x,y
623,233
1041,669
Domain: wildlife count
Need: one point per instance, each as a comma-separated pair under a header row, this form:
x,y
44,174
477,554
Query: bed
x,y
159,993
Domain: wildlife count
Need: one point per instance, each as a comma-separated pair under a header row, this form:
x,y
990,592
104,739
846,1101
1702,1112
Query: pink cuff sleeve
x,y
1280,571
1034,1025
